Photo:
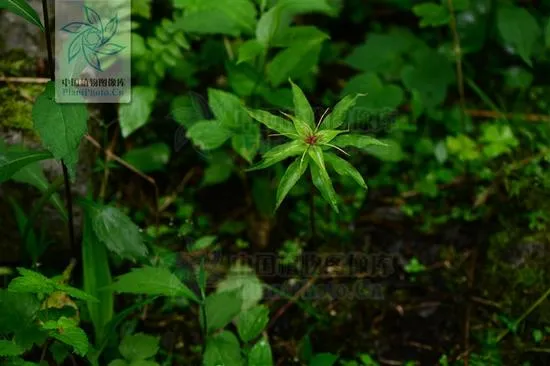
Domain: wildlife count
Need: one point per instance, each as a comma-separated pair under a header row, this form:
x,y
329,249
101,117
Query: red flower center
x,y
311,140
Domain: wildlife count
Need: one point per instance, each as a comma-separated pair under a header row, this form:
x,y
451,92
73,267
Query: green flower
x,y
311,144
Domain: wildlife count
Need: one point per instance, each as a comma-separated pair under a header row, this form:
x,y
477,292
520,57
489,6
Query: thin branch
x,y
23,80
458,55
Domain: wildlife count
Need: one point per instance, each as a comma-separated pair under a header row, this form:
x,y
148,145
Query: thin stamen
x,y
337,148
321,120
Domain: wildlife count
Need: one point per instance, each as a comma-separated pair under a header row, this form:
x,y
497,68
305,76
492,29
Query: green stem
x,y
67,181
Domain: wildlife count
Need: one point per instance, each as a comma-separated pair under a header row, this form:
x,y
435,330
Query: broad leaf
x,y
17,310
277,124
338,116
289,179
260,354
67,331
60,126
208,135
323,359
223,349
97,278
135,114
23,9
227,108
320,177
10,348
390,151
246,142
152,281
11,162
302,108
243,280
280,153
249,50
252,322
116,231
431,14
299,35
149,158
221,309
342,167
519,29
139,346
294,62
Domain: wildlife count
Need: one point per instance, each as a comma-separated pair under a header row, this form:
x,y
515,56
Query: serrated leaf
x,y
302,108
221,309
66,330
97,278
139,346
208,135
252,322
293,173
10,349
13,161
344,168
260,354
519,29
152,281
117,231
338,116
31,282
320,177
355,140
23,9
60,126
280,153
135,114
431,14
275,123
17,310
223,349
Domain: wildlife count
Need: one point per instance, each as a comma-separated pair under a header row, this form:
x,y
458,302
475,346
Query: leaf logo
x,y
92,38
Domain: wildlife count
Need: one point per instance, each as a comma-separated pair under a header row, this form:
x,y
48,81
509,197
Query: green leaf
x,y
228,109
390,151
31,282
219,169
60,126
278,124
271,23
208,134
249,50
323,359
118,362
246,142
116,231
298,35
149,158
23,9
326,136
547,33
152,281
519,29
223,349
293,173
344,168
302,108
32,245
10,349
217,17
66,330
280,153
187,110
338,116
243,280
260,354
252,322
97,279
135,114
294,62
17,310
380,96
355,140
139,346
432,15
11,161
320,177
221,308
203,243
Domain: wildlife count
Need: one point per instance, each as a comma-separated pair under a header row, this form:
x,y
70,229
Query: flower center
x,y
311,140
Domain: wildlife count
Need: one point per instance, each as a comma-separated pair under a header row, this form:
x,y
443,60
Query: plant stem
x,y
312,209
51,64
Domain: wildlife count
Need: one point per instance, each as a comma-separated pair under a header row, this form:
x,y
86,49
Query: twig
x,y
170,199
531,117
458,55
106,169
66,177
23,80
